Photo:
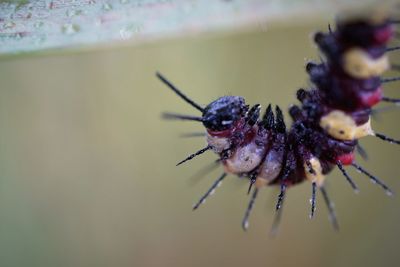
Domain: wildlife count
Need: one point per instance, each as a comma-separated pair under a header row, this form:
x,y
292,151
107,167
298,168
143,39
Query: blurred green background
x,y
87,167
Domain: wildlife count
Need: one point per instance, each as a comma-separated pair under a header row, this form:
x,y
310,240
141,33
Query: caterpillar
x,y
332,116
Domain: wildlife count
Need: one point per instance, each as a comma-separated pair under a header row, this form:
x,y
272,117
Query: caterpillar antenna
x,y
173,116
178,92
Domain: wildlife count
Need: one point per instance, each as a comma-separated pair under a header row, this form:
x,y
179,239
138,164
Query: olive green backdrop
x,y
87,167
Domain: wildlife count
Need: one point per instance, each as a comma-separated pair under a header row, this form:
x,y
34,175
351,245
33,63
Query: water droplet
x,y
38,24
373,181
40,40
356,190
246,225
219,184
18,36
9,25
70,28
107,6
212,192
202,201
73,12
389,193
125,33
128,31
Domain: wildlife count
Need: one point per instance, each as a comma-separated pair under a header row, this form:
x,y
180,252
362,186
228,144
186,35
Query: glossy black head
x,y
222,113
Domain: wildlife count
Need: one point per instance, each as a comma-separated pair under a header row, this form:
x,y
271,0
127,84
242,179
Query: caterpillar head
x,y
223,113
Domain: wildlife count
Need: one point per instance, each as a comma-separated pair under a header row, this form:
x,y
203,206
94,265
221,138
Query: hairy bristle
x,y
391,100
252,181
277,220
280,121
388,80
253,114
281,196
194,134
313,198
387,139
201,151
347,176
361,151
209,191
178,92
245,221
331,208
389,49
268,120
373,178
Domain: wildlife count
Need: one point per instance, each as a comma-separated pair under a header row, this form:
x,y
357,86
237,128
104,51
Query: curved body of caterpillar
x,y
326,126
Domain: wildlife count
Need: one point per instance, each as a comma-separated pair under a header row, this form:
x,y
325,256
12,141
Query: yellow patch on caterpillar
x,y
341,126
314,171
359,64
379,15
374,16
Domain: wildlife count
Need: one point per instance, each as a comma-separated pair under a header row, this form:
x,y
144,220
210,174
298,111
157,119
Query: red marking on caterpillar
x,y
227,133
370,99
326,126
346,159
